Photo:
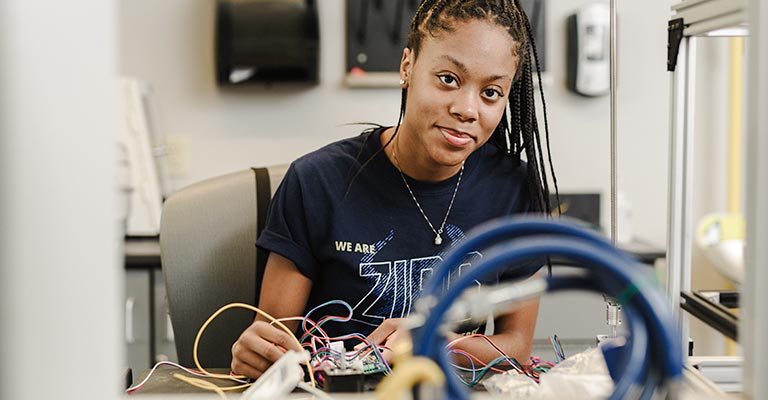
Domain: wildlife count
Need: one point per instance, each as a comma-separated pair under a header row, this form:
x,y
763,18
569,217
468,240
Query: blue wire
x,y
471,362
336,319
637,361
453,388
588,249
527,248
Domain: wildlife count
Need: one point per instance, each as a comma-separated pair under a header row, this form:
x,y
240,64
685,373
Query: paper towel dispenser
x,y
266,41
589,50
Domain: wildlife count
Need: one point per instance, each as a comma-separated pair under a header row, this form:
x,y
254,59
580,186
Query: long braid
x,y
516,124
537,173
524,113
537,183
513,108
532,129
529,29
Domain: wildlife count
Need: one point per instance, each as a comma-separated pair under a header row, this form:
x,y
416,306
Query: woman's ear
x,y
405,68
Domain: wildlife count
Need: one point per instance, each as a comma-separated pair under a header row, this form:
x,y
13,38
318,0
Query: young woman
x,y
366,219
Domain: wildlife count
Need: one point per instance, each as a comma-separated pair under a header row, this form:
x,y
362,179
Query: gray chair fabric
x,y
207,246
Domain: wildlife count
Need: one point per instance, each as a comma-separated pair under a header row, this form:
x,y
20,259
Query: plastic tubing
x,y
632,381
583,252
596,254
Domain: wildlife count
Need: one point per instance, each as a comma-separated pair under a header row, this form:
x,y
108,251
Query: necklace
x,y
438,232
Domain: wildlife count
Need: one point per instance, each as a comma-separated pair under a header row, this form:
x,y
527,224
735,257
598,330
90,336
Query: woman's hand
x,y
284,293
258,347
387,335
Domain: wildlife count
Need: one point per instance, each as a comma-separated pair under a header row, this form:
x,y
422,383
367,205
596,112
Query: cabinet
x,y
136,321
148,333
165,347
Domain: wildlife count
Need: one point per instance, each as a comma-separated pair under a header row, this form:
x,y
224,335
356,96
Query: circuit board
x,y
355,371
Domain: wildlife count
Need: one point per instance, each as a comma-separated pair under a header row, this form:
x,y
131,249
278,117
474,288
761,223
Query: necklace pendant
x,y
438,240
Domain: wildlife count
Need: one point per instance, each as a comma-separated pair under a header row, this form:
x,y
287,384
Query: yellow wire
x,y
201,384
260,312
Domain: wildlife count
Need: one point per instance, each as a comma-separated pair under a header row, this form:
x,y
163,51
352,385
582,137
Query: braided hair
x,y
518,130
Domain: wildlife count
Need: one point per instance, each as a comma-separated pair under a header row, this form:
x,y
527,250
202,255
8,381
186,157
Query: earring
x,y
402,82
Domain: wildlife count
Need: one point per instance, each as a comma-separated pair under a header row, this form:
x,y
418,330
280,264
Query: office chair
x,y
207,246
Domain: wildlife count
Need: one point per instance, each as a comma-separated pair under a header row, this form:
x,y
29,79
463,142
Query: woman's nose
x,y
464,107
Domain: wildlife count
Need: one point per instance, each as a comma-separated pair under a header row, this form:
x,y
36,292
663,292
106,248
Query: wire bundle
x,y
478,369
652,358
324,356
314,339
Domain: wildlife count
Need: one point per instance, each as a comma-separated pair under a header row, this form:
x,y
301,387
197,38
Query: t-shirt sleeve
x,y
287,232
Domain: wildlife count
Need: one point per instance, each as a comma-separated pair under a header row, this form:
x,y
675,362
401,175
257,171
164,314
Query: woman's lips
x,y
456,138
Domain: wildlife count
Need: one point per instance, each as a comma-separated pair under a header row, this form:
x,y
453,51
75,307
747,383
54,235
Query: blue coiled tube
x,y
612,272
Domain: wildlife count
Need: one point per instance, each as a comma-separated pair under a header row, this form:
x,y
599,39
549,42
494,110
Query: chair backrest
x,y
207,245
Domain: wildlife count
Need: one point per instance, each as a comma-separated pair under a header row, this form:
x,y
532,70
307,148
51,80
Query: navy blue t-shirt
x,y
367,243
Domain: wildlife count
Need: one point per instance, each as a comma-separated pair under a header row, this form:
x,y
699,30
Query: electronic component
x,y
352,371
342,380
349,380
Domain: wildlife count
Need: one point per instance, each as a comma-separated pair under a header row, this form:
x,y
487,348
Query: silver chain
x,y
439,232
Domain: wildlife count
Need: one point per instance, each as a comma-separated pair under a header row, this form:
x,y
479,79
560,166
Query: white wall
x,y
170,44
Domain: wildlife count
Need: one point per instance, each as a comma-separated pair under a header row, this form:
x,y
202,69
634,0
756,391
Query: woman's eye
x,y
448,80
492,94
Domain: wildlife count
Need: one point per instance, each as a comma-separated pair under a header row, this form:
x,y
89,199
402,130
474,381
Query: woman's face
x,y
458,86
